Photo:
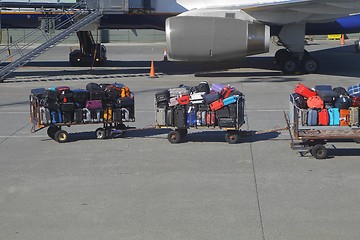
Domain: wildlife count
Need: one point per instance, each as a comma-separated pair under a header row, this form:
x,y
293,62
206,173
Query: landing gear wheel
x,y
183,132
281,55
319,151
100,133
232,137
174,137
290,66
310,65
52,130
61,136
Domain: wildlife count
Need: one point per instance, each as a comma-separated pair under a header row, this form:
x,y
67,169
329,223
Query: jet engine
x,y
193,38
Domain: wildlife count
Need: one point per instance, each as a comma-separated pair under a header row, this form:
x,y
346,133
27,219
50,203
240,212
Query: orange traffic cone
x,y
165,55
152,70
342,42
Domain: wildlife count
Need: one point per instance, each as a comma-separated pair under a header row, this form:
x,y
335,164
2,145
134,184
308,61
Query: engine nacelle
x,y
191,38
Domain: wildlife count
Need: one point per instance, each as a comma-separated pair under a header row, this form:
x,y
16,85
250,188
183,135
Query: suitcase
x,y
45,118
323,87
227,123
298,100
344,117
67,107
170,117
211,97
312,117
354,90
199,118
354,116
334,116
56,117
217,87
225,93
86,115
78,115
112,93
97,95
323,117
51,104
38,92
304,91
68,117
161,116
197,98
303,117
117,115
49,94
108,114
355,101
203,107
223,112
343,102
203,118
315,102
125,102
341,91
233,111
216,105
93,87
96,115
176,92
62,89
328,96
180,117
210,118
183,100
81,96
230,100
235,93
93,104
125,114
173,102
191,117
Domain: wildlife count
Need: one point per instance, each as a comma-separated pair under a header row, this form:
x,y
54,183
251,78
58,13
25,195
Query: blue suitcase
x,y
56,117
312,117
230,100
334,117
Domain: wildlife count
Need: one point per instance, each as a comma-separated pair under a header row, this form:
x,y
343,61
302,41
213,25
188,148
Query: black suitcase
x,y
38,92
51,104
223,112
78,115
68,107
341,91
233,111
162,104
328,96
67,96
170,117
117,115
180,117
162,96
97,95
81,95
298,100
51,95
227,122
68,117
125,102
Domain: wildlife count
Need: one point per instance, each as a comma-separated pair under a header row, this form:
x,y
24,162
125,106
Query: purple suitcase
x,y
217,87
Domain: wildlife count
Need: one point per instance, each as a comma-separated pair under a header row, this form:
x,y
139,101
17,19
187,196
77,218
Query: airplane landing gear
x,y
291,63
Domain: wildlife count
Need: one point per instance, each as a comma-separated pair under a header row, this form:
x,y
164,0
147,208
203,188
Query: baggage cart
x,y
109,127
312,139
165,119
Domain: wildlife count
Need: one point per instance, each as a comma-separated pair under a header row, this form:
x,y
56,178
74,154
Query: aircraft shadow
x,y
348,152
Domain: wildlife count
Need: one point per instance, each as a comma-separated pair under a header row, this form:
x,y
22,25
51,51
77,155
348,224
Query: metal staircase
x,y
75,21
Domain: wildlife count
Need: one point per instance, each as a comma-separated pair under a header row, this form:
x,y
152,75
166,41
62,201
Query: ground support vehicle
x,y
179,127
312,139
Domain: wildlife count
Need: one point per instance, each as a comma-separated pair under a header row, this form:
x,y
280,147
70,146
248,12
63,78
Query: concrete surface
x,y
143,187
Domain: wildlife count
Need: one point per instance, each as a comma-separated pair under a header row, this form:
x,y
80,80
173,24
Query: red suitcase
x,y
315,102
226,92
216,105
184,99
304,91
323,117
210,118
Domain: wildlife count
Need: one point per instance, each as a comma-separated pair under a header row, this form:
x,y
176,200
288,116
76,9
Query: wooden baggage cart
x,y
232,135
312,139
55,131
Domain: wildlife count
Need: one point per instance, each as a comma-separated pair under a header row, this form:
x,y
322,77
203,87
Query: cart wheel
x,y
174,137
319,151
100,133
232,137
61,136
52,130
183,132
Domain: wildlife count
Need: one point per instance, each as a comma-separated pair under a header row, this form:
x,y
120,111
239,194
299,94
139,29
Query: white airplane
x,y
214,30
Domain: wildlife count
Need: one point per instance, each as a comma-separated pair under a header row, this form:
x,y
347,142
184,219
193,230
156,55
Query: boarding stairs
x,y
77,18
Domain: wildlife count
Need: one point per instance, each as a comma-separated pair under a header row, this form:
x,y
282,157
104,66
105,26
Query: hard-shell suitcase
x,y
170,117
108,114
312,117
354,90
161,116
78,115
354,116
230,100
45,117
223,112
341,91
334,116
197,98
216,105
344,117
117,115
343,102
323,117
191,117
217,87
328,96
225,93
68,117
303,117
203,118
304,91
227,123
67,107
162,96
315,102
211,118
180,117
176,92
93,104
211,97
56,117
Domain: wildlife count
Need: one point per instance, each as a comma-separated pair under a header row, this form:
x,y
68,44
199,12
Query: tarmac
x,y
142,187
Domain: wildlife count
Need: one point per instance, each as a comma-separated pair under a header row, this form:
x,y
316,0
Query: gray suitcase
x,y
170,117
312,117
161,116
354,116
45,117
303,116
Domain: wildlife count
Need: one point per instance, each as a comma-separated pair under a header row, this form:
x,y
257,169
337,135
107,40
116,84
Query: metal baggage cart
x,y
177,134
55,131
312,139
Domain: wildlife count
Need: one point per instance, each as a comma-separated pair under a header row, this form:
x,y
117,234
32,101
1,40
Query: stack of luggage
x,y
97,103
186,107
327,106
